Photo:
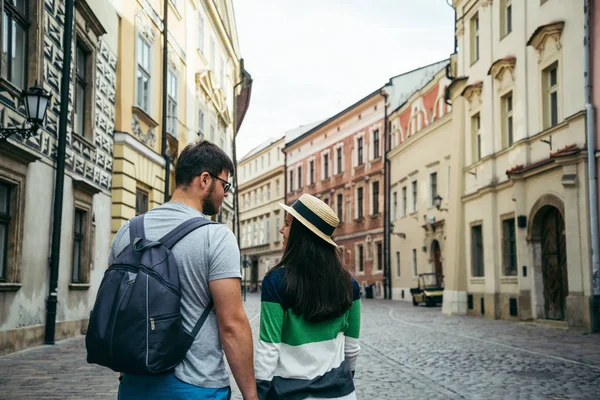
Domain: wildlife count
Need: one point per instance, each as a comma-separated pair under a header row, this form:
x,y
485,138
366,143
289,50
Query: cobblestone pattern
x,y
407,353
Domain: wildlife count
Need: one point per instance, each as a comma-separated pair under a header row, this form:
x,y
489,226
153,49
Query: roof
x,y
260,147
293,134
402,86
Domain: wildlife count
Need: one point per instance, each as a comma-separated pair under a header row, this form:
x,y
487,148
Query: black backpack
x,y
136,325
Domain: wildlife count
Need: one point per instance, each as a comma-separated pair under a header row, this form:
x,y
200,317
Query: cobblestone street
x,y
407,353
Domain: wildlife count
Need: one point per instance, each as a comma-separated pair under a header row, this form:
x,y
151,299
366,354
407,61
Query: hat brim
x,y
307,224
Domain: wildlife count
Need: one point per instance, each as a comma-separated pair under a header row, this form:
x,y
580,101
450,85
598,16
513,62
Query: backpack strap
x,y
171,238
202,319
136,228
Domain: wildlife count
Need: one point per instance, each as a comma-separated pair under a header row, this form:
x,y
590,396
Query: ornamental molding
x,y
472,91
149,139
144,26
504,64
542,34
485,3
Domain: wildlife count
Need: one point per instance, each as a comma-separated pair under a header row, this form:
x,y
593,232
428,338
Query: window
x,y
312,171
212,139
5,191
550,79
433,186
172,118
375,198
509,247
326,201
81,83
340,167
379,256
477,251
201,32
507,119
376,151
394,205
414,262
201,126
414,196
340,206
14,42
360,151
277,188
476,137
78,245
262,162
326,166
143,74
213,54
291,181
300,177
404,202
262,196
269,192
255,236
277,226
268,159
398,263
474,38
268,231
141,202
222,73
506,17
359,203
361,258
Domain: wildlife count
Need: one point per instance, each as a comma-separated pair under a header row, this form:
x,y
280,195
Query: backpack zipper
x,y
162,318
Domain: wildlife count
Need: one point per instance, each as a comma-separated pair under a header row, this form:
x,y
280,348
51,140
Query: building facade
x,y
203,65
420,171
518,99
261,189
27,167
341,161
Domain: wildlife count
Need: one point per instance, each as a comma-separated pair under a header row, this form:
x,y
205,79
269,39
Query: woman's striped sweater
x,y
297,359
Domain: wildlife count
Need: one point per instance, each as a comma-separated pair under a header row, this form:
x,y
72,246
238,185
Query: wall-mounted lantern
x,y
36,106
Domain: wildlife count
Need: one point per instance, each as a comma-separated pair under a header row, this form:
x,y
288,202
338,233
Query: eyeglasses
x,y
226,185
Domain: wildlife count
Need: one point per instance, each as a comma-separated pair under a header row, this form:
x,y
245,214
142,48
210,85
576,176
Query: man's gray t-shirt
x,y
208,253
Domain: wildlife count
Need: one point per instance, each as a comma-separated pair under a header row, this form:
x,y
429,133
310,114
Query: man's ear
x,y
202,181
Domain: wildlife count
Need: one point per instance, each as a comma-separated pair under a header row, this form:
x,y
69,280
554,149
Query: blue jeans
x,y
167,386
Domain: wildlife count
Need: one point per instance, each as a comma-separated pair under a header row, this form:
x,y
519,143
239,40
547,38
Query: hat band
x,y
313,218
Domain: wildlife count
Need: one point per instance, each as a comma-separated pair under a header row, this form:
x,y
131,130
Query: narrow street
x,y
407,353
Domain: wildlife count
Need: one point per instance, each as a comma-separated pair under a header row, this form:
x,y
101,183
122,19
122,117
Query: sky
x,y
310,59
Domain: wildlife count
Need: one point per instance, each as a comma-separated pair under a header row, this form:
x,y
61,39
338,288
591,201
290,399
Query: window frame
x,y
146,71
360,195
360,157
476,141
404,201
376,144
379,256
375,198
507,104
79,243
551,91
140,195
24,22
505,18
509,247
415,195
340,206
477,260
172,101
5,220
433,187
475,41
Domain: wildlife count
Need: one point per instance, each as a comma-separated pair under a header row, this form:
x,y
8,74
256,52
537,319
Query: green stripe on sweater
x,y
271,321
353,330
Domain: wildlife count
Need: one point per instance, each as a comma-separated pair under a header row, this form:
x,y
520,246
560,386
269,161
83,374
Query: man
x,y
208,264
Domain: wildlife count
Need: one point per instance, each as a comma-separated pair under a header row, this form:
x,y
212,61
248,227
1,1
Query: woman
x,y
310,312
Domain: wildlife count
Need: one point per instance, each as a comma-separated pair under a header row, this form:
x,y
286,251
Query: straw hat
x,y
315,215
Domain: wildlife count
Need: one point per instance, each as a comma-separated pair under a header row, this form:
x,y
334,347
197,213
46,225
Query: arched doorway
x,y
436,253
554,262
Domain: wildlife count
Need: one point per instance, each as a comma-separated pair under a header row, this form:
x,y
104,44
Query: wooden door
x,y
437,259
554,265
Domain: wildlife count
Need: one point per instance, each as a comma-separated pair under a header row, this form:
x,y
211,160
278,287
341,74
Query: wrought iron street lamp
x,y
36,105
437,202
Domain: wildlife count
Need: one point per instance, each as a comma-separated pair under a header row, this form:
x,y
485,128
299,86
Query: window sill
x,y
175,10
374,160
327,179
9,287
144,116
79,286
86,141
360,219
477,281
375,216
378,272
509,280
9,87
360,166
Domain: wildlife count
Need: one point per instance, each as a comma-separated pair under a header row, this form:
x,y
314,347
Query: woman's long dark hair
x,y
317,285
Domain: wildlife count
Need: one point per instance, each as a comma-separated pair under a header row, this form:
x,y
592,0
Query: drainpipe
x,y
164,145
386,206
591,147
284,176
65,84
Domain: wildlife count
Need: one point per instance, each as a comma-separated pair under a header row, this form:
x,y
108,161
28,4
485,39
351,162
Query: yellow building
x,y
519,114
262,185
203,68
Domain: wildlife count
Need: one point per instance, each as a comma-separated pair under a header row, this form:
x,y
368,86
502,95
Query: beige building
x,y
518,100
261,189
28,174
420,171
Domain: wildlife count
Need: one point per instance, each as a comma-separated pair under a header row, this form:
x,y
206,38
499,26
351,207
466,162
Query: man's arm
x,y
235,332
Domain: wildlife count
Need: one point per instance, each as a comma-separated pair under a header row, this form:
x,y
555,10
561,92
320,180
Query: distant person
x,y
310,312
208,261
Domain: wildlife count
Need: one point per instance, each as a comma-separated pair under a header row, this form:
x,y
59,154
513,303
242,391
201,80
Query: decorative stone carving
x,y
149,139
499,70
485,3
143,25
540,37
460,29
473,92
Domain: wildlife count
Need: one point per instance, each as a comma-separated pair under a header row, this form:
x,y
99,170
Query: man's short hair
x,y
200,157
